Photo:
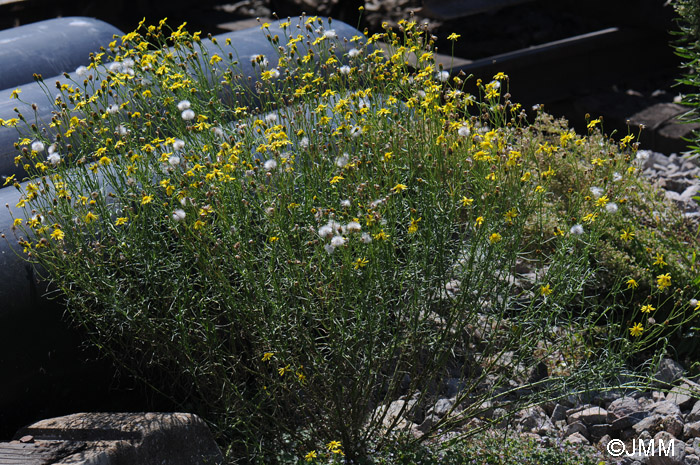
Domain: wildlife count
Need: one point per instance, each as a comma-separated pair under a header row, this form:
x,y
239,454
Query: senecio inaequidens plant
x,y
311,258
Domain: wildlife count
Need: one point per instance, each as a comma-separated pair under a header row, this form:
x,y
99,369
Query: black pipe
x,y
50,47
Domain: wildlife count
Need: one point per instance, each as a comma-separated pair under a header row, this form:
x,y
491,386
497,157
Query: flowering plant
x,y
314,256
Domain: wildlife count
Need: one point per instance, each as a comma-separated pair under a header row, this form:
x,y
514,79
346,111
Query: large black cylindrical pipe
x,y
50,47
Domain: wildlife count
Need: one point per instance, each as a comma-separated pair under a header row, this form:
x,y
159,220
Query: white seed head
x,y
443,76
353,226
54,159
342,160
188,115
183,105
179,214
338,241
38,146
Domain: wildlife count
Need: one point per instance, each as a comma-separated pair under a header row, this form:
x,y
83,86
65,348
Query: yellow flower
x,y
627,235
479,221
548,173
215,59
381,235
453,36
105,161
495,238
467,201
310,456
647,308
360,263
632,284
602,201
636,330
120,221
199,224
15,93
90,217
399,188
336,179
282,371
146,199
267,356
274,239
57,234
491,176
414,225
545,290
592,124
590,218
510,214
663,281
17,222
660,260
334,446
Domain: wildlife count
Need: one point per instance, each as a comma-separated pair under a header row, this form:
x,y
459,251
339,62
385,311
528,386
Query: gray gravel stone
x,y
669,371
589,416
577,427
625,412
577,439
694,414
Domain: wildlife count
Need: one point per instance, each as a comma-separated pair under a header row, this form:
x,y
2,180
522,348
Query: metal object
x,y
455,9
50,47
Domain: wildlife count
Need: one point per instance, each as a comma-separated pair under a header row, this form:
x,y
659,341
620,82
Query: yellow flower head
x,y
57,234
545,290
267,356
467,201
659,260
647,308
663,281
636,330
310,456
632,284
626,235
602,201
414,225
360,263
399,188
495,238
